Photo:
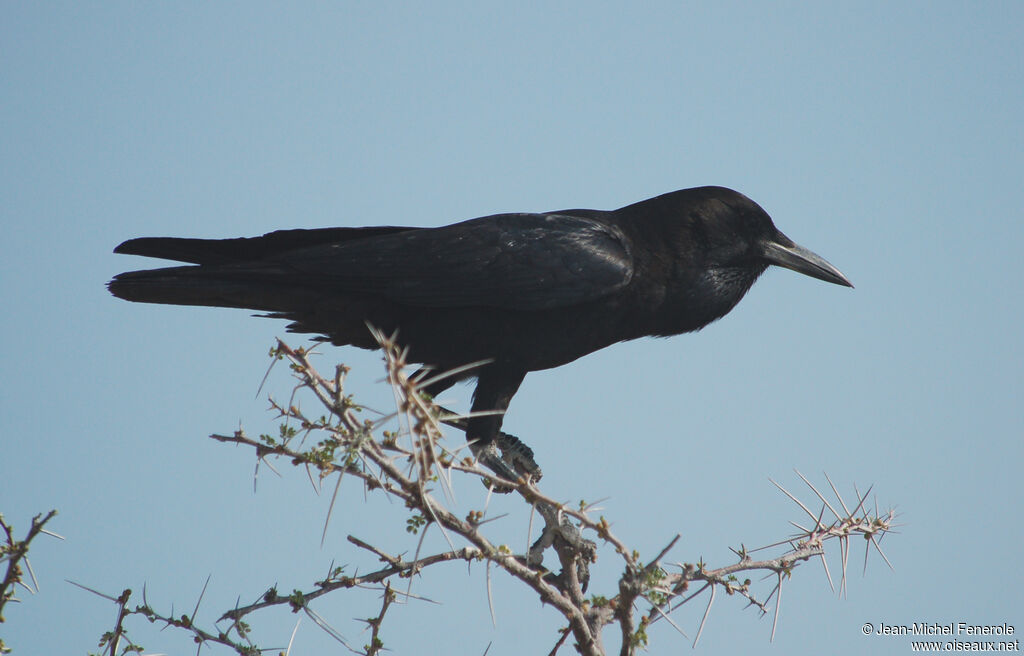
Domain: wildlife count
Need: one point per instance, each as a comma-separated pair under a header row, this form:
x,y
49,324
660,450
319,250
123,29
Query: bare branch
x,y
407,464
15,552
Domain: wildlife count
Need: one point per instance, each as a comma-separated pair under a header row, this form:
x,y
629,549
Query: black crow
x,y
522,292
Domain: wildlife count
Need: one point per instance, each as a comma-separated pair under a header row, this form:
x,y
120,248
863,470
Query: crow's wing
x,y
513,261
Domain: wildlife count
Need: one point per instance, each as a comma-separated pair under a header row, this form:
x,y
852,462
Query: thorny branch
x,y
15,553
407,464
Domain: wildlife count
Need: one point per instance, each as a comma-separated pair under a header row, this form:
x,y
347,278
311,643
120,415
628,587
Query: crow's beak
x,y
783,252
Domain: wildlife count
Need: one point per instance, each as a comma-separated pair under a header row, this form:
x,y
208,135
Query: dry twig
x,y
407,464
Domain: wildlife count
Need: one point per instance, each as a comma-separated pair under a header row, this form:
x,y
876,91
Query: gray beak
x,y
783,252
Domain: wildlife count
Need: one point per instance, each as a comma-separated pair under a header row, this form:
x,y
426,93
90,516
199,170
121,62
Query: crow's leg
x,y
504,454
494,389
514,452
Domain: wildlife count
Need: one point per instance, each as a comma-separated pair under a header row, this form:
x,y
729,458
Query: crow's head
x,y
737,232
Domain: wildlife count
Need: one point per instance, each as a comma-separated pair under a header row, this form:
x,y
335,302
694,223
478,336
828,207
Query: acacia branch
x,y
407,464
15,553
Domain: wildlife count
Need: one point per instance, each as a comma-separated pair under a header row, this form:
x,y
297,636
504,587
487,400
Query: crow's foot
x,y
514,462
507,456
515,453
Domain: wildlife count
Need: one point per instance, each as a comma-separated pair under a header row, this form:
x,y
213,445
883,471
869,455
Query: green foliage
x,y
415,523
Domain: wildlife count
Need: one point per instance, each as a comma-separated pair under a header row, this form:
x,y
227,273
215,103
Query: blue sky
x,y
886,137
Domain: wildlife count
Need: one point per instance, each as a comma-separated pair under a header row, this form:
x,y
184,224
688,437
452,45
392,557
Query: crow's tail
x,y
246,249
252,287
248,272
